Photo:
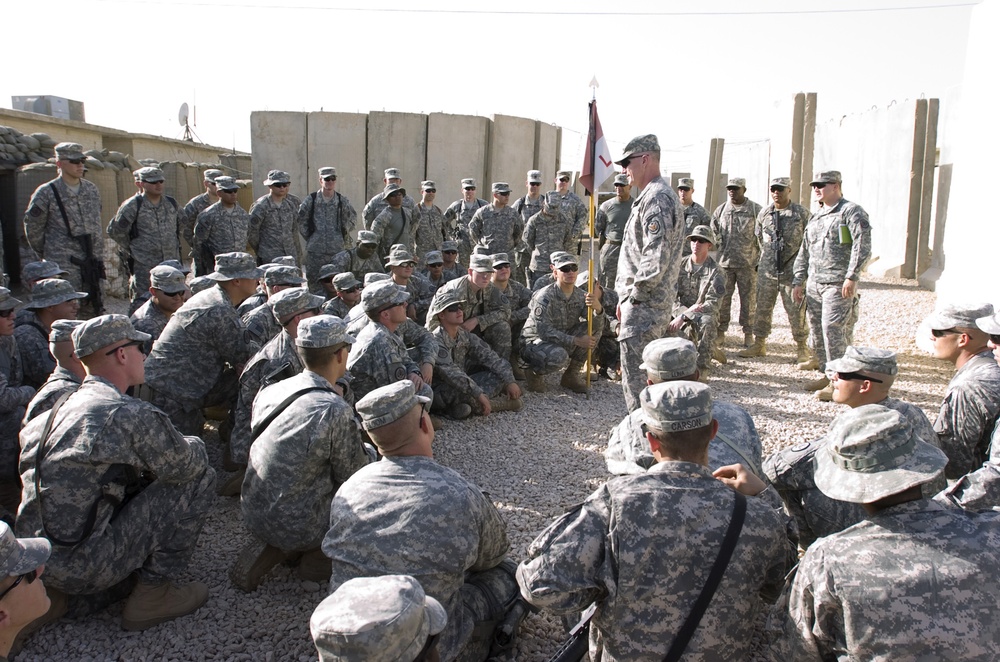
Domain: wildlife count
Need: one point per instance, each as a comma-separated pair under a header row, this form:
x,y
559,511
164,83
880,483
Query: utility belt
x,y
613,242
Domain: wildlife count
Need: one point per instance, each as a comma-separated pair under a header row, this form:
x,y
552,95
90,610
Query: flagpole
x,y
592,137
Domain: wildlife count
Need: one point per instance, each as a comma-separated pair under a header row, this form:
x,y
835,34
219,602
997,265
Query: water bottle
x,y
845,234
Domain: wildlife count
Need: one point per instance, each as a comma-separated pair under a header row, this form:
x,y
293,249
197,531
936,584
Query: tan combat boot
x,y
234,484
747,339
719,355
515,366
825,394
572,379
758,348
152,604
817,384
536,382
501,403
256,559
803,355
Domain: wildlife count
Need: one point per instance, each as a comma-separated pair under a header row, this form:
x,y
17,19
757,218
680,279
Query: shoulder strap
x,y
171,201
714,578
260,427
133,232
62,209
729,442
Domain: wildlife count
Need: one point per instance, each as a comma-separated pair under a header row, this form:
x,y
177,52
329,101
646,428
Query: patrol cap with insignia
x,y
468,182
42,269
399,255
534,176
500,259
326,271
783,182
449,245
685,183
958,315
323,331
670,358
640,145
392,173
736,182
212,174
872,452
501,187
568,174
51,292
386,405
702,232
229,266
167,279
563,259
200,284
367,237
7,300
288,303
327,171
149,175
67,151
103,331
676,406
277,177
376,619
989,323
428,185
62,330
382,295
282,275
345,281
481,264
226,183
22,555
826,177
443,299
865,359
557,255
176,264
392,188
621,179
433,257
552,202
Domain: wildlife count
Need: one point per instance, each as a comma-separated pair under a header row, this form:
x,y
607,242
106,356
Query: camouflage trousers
x,y
768,288
485,599
498,336
156,532
545,357
609,264
185,415
535,275
746,280
701,330
634,378
138,282
447,396
831,318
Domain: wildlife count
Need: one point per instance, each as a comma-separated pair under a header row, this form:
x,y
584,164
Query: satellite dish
x,y
182,114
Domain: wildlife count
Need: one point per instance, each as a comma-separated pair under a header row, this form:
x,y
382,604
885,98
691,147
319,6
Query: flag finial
x,y
594,83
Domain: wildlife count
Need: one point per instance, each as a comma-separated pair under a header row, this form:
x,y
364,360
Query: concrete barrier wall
x,y
282,147
511,152
547,155
456,150
396,140
338,140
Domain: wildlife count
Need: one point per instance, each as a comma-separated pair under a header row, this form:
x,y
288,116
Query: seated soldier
x,y
451,268
348,294
400,265
676,359
544,280
547,232
13,397
305,444
51,299
371,618
469,376
361,259
260,321
23,599
515,297
67,376
455,540
167,293
31,273
325,280
128,508
433,269
699,286
144,296
607,356
555,334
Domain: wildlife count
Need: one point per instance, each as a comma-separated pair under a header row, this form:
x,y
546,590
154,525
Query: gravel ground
x,y
535,464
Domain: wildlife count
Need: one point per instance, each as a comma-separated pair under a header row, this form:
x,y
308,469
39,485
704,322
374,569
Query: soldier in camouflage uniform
x,y
433,269
468,375
63,210
546,232
198,204
497,227
458,215
221,228
129,507
609,224
274,220
196,360
401,264
640,545
649,263
378,203
147,227
694,214
455,540
863,376
431,229
168,291
780,227
260,322
527,206
360,260
676,359
326,221
915,580
52,299
515,297
700,284
971,405
451,266
572,207
67,376
554,336
396,223
302,452
734,223
835,247
348,295
14,395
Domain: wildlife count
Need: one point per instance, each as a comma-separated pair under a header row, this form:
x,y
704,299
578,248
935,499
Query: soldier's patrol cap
x,y
381,295
444,298
103,331
367,237
565,173
62,330
500,259
326,271
501,187
67,151
640,145
226,183
387,405
392,188
375,276
552,201
872,452
167,279
534,176
428,185
323,331
212,174
685,182
670,358
468,182
229,266
149,174
989,323
958,316
392,173
42,269
327,171
736,182
378,619
433,257
7,300
702,232
865,359
52,291
621,179
345,281
21,555
826,177
676,406
557,255
783,182
399,255
282,275
176,264
562,259
449,245
200,284
481,263
287,303
285,260
277,177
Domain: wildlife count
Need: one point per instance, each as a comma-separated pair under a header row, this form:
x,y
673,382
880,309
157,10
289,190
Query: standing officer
x,y
609,224
694,214
734,223
273,220
326,222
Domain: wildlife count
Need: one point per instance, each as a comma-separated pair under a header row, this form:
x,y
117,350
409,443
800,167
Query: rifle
x,y
779,242
91,269
575,648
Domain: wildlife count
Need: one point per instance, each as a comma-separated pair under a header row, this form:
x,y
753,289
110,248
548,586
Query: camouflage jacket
x,y
458,355
348,260
822,258
498,230
261,326
694,215
488,304
378,204
333,223
735,228
274,228
335,306
59,383
431,231
787,225
969,414
36,362
526,207
545,234
45,229
149,319
552,314
382,226
576,212
702,286
13,397
221,230
378,358
189,214
516,298
156,229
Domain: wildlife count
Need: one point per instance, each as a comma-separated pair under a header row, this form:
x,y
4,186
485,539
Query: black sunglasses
x,y
75,161
453,308
857,377
130,343
534,183
569,268
624,162
7,313
158,181
470,188
351,290
435,264
329,179
450,252
941,333
503,193
430,190
701,240
281,185
173,294
564,179
30,576
818,185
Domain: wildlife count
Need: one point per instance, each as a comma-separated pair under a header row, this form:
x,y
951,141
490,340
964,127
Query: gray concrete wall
x,y
338,140
546,153
511,152
278,140
456,149
396,140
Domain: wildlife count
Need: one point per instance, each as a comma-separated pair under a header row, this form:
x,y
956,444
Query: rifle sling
x,y
65,218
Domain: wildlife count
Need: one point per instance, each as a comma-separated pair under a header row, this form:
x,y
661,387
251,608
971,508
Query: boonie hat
x,y
42,269
7,300
345,281
230,266
442,300
989,323
52,291
702,232
283,275
381,295
167,279
393,188
176,264
277,177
